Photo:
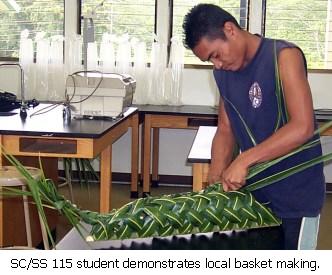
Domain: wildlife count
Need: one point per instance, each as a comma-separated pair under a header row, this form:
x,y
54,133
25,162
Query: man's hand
x,y
214,176
234,177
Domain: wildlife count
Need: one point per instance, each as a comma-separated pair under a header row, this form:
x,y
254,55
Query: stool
x,y
10,177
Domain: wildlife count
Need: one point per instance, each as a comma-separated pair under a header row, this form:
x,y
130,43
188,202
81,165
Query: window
x,y
36,16
238,8
118,17
306,23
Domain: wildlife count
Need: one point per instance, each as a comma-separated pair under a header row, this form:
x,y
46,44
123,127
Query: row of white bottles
x,y
44,79
159,83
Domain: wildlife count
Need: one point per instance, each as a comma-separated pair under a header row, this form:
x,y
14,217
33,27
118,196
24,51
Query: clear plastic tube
x,y
123,55
73,59
26,62
92,56
157,73
56,69
107,56
176,65
42,59
140,71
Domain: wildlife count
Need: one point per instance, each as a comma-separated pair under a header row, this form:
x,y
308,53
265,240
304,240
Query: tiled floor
x,y
88,198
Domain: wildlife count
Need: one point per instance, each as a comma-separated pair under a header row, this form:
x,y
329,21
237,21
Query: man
x,y
244,70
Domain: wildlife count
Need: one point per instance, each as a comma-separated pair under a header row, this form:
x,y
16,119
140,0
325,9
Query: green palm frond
x,y
288,172
186,213
250,134
35,192
279,94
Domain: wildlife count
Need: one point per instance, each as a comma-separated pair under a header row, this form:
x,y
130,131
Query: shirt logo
x,y
255,95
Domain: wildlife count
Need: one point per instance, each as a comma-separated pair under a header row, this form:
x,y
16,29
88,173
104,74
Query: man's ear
x,y
229,29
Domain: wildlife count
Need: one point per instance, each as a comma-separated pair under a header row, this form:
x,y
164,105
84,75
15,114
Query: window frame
x,y
16,59
80,16
169,28
191,65
80,19
264,8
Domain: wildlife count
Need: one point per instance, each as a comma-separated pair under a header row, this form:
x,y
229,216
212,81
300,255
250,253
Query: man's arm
x,y
299,128
222,146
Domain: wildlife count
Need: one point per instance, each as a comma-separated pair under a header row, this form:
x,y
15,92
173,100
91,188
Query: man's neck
x,y
252,42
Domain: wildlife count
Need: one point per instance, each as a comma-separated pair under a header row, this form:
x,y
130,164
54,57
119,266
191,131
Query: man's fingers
x,y
227,186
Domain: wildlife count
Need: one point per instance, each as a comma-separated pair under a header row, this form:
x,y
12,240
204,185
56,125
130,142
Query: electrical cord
x,y
74,83
94,90
47,108
69,100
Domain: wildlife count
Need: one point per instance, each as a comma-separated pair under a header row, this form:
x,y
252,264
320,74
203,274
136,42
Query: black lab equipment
x,y
8,102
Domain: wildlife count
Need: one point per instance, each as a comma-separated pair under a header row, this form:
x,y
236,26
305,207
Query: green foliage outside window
x,y
238,8
36,16
133,17
303,22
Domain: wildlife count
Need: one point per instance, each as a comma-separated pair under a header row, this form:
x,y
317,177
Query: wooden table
x,y
155,117
200,156
200,152
47,135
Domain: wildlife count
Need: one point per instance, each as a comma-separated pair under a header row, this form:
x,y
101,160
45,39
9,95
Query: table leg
x,y
142,154
105,179
197,177
134,156
147,155
1,202
200,176
155,157
0,150
1,220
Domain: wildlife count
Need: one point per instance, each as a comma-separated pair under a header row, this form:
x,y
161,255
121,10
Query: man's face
x,y
223,54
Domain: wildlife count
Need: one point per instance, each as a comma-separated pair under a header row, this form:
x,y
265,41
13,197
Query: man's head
x,y
215,36
205,20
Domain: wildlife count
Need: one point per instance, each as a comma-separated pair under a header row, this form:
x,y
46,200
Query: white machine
x,y
94,94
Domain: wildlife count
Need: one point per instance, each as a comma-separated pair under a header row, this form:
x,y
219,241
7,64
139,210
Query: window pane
x,y
306,23
238,8
118,17
36,16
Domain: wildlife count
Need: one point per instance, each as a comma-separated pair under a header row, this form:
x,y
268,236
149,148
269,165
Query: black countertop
x,y
190,110
52,124
209,111
323,115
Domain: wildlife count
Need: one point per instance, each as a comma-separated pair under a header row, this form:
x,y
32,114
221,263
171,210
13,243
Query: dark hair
x,y
205,20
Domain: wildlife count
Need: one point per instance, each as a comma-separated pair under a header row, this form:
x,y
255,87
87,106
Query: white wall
x,y
9,79
321,84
